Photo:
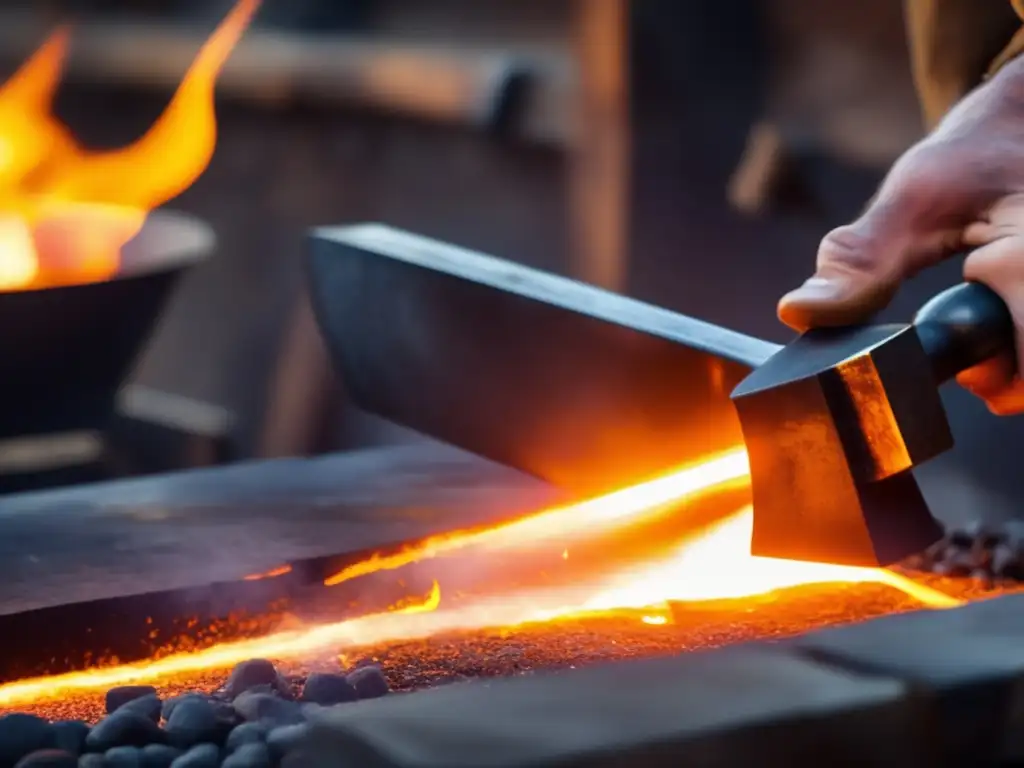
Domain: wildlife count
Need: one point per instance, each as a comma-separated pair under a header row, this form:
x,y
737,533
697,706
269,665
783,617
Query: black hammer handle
x,y
963,326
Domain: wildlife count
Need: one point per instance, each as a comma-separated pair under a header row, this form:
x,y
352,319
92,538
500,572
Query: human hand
x,y
960,188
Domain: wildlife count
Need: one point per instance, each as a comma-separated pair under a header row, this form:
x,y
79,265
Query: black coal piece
x,y
988,553
247,723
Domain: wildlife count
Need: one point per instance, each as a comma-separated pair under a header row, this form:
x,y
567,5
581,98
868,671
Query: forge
x,y
419,605
349,565
86,262
100,326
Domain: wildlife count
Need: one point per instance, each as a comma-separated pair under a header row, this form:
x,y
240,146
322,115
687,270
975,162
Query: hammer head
x,y
834,424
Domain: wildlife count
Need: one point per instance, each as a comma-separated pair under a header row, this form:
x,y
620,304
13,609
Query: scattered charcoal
x,y
249,674
196,721
985,535
1014,530
168,706
919,562
960,538
268,708
983,578
118,697
21,734
261,688
936,550
158,756
369,682
200,756
252,755
91,760
1008,562
148,705
246,733
956,563
48,758
981,559
285,739
328,689
226,712
122,757
297,759
124,728
982,552
223,709
69,735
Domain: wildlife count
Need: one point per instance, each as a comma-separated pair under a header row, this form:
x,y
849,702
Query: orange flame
x,y
711,563
66,212
603,513
273,573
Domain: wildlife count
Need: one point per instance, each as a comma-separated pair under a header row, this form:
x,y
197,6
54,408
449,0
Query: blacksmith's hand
x,y
960,188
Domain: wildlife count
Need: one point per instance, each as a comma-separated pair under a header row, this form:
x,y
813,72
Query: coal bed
x,y
261,702
254,715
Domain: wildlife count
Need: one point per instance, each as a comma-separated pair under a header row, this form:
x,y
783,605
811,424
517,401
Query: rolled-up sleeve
x,y
1015,47
955,44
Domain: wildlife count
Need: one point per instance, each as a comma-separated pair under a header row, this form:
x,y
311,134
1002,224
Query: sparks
x,y
709,564
603,513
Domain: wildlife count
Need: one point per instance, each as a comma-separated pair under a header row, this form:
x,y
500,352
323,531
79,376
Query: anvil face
x,y
833,424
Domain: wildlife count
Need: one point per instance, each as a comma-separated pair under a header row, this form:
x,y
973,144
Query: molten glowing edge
x,y
713,563
594,516
273,573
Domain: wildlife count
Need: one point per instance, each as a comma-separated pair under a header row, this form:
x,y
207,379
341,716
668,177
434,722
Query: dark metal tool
x,y
835,422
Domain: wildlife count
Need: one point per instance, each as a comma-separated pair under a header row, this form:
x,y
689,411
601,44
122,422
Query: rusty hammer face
x,y
835,422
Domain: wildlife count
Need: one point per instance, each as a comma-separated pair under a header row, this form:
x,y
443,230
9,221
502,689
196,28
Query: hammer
x,y
836,420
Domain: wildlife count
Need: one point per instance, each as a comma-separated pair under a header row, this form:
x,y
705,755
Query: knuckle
x,y
925,167
948,176
848,249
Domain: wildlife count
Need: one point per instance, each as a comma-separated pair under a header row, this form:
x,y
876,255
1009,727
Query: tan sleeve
x,y
1015,47
955,44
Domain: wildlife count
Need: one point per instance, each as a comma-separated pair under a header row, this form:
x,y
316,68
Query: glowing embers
x,y
628,560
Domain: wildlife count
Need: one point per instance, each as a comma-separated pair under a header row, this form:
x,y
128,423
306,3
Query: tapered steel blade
x,y
584,388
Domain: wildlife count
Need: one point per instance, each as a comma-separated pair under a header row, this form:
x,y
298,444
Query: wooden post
x,y
600,150
300,392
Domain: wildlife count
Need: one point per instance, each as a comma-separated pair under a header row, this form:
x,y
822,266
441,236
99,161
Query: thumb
x,y
861,265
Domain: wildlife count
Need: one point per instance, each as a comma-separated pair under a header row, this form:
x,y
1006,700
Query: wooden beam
x,y
301,391
600,155
450,82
